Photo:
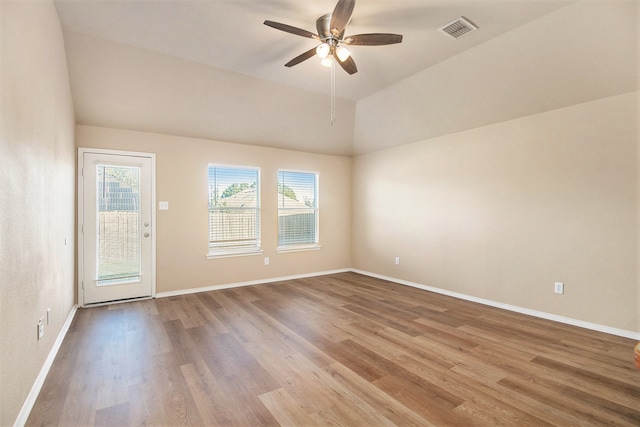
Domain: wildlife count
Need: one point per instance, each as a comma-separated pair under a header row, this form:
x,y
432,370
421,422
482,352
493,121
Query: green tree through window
x,y
298,214
234,209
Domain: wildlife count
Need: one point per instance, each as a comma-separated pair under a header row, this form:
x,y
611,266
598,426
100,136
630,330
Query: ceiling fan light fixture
x,y
342,53
323,50
327,61
331,28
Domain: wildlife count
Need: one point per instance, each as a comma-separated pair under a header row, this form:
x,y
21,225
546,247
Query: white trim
x,y
541,314
120,301
24,413
298,248
37,386
231,254
80,194
298,171
249,283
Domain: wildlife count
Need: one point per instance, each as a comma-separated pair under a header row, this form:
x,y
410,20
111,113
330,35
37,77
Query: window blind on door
x,y
118,234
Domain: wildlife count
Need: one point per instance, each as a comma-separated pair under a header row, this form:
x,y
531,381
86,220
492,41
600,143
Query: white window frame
x,y
235,251
302,246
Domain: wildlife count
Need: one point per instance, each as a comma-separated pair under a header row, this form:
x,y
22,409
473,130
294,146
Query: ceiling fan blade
x,y
349,65
341,16
298,59
293,30
375,39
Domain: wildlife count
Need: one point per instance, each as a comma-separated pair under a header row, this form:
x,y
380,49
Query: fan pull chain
x,y
333,90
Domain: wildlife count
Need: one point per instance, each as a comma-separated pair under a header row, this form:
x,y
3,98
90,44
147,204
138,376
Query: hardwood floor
x,y
343,349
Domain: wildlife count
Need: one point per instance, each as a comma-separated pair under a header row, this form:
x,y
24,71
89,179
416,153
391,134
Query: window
x,y
234,210
118,247
297,210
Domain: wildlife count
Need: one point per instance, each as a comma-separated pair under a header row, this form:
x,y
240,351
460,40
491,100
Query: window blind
x,y
297,208
234,208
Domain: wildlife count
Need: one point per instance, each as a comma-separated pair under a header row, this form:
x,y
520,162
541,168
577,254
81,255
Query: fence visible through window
x,y
234,208
232,227
118,239
297,208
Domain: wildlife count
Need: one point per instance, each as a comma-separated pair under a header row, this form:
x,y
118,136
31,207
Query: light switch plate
x,y
559,288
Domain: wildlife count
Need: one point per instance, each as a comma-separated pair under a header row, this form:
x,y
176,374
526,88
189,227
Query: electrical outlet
x,y
266,261
559,288
41,327
397,260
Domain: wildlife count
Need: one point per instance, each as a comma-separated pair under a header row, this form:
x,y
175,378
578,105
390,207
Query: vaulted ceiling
x,y
230,34
211,69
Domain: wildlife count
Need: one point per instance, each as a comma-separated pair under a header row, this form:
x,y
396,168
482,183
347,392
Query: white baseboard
x,y
37,385
522,310
541,314
250,283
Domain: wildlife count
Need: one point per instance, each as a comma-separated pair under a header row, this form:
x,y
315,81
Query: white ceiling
x,y
212,70
230,34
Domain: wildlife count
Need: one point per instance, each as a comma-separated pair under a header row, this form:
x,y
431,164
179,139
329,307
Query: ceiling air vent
x,y
458,28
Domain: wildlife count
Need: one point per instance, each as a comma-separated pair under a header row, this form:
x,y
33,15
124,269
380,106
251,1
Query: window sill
x,y
233,253
298,248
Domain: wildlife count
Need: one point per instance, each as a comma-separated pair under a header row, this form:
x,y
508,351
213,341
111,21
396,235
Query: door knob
x,y
146,234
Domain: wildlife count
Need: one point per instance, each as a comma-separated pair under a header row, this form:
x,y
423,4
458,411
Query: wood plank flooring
x,y
342,349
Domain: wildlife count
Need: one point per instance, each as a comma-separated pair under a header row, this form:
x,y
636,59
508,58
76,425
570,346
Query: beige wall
x,y
585,51
502,212
124,87
499,212
637,35
37,172
182,230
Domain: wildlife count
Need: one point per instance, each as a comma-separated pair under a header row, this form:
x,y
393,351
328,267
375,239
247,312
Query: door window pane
x,y
118,231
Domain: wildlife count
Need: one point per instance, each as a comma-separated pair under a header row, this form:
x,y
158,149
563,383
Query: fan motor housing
x,y
323,25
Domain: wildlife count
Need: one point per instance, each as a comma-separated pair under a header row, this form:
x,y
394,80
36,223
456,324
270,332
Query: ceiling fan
x,y
331,28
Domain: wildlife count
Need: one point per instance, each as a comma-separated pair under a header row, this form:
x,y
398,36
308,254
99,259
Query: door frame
x,y
80,216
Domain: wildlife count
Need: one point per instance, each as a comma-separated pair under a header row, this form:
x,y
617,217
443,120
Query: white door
x,y
116,242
